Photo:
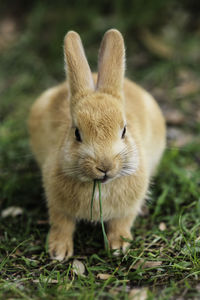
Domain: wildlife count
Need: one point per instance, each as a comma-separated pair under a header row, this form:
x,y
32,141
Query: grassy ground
x,y
164,259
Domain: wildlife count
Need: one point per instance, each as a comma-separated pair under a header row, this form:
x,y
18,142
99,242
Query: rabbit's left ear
x,y
78,70
111,63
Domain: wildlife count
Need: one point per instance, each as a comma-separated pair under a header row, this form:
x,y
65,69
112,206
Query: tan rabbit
x,y
92,127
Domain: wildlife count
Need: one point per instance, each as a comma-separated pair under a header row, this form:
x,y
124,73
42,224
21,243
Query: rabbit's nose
x,y
104,177
102,170
104,166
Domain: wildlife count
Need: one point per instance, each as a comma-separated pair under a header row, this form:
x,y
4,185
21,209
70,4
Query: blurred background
x,y
163,55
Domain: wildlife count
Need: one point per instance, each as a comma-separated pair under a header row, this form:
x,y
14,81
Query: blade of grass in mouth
x,y
92,200
101,213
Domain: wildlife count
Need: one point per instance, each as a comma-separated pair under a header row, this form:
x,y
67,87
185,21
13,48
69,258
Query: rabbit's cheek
x,y
86,166
129,161
87,152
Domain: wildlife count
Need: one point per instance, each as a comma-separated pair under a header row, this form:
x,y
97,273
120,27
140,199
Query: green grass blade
x,y
101,218
92,200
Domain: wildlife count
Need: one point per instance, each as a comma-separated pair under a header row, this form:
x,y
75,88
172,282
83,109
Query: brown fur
x,y
99,108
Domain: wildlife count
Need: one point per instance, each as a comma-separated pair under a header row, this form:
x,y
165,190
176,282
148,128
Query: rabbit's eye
x,y
124,132
77,135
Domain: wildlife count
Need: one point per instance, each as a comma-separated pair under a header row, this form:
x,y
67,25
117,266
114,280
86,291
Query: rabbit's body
x,y
68,188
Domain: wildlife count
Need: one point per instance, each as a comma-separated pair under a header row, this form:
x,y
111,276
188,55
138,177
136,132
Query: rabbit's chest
x,y
114,205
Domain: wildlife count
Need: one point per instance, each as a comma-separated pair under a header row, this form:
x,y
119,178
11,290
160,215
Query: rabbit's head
x,y
99,144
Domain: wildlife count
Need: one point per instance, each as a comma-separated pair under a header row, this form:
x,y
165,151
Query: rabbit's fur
x,y
95,108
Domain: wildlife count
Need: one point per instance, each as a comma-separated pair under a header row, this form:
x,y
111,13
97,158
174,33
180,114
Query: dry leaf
x,y
103,276
174,116
138,294
12,211
146,264
137,264
78,267
187,88
151,264
162,226
49,280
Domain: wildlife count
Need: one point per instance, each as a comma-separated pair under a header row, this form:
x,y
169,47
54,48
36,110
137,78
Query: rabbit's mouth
x,y
104,179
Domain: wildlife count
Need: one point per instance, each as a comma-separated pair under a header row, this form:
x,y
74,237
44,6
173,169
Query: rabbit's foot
x,y
119,234
119,242
61,237
60,246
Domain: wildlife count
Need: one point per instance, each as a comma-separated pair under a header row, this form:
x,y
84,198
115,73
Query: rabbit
x,y
95,127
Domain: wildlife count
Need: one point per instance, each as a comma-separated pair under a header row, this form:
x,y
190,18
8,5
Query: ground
x,y
164,258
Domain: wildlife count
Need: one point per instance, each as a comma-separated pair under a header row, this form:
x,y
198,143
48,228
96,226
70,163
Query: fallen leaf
x,y
49,280
174,117
151,264
187,88
78,267
138,294
12,211
147,264
103,276
162,226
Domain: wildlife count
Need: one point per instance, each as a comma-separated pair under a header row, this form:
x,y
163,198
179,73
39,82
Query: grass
x,y
100,211
28,273
164,260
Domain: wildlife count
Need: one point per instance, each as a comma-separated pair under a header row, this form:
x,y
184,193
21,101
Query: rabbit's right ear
x,y
111,64
77,68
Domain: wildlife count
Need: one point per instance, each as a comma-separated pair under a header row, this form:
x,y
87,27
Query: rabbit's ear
x,y
77,68
111,63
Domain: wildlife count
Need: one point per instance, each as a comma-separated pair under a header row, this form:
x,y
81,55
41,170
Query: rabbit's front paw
x,y
119,234
60,247
118,242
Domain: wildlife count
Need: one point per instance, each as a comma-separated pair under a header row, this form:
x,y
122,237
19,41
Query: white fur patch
x,y
88,151
129,156
135,156
118,147
104,194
